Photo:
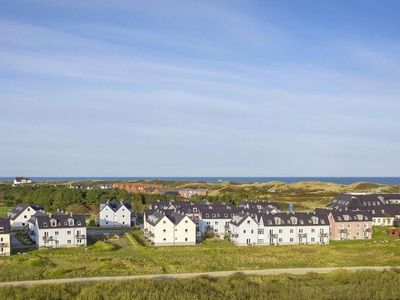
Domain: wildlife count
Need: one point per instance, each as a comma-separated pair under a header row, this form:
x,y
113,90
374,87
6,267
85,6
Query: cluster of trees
x,y
59,197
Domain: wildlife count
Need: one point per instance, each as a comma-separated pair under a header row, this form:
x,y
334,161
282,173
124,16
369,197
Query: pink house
x,y
350,225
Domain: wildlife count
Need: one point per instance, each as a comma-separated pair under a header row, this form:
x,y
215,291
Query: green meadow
x,y
126,256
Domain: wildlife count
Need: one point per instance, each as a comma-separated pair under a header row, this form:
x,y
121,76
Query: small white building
x,y
5,242
21,214
21,181
58,230
280,229
115,214
166,228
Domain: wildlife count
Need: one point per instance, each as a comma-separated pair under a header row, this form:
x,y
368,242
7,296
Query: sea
x,y
339,180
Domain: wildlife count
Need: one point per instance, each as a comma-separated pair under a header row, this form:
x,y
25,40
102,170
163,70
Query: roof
x,y
62,220
239,219
115,205
351,216
154,216
5,225
294,219
20,208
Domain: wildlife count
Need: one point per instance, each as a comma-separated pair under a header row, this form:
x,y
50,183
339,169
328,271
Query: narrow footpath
x,y
293,271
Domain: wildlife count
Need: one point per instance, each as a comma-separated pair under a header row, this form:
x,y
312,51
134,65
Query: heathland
x,y
339,285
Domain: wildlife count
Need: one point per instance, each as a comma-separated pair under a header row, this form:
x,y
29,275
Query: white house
x,y
21,214
5,242
58,230
280,229
21,181
115,214
166,228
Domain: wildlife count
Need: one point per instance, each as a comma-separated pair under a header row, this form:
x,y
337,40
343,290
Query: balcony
x,y
302,235
80,236
323,234
49,239
367,229
343,230
4,245
273,235
234,235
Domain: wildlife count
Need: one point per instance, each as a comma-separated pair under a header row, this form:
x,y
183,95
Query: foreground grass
x,y
340,285
124,256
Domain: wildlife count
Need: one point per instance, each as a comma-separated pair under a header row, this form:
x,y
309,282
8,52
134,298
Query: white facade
x,y
20,220
114,215
52,233
219,227
161,230
247,231
5,244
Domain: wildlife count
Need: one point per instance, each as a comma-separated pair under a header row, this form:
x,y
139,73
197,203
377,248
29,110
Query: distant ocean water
x,y
339,180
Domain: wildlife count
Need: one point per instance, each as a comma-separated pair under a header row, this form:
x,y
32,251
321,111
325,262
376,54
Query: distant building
x,y
58,230
21,214
188,193
169,228
115,214
21,181
5,242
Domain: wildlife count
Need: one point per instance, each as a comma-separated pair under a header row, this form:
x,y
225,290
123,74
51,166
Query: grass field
x,y
4,210
124,256
340,285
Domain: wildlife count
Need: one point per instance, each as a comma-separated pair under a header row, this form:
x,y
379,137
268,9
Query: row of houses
x,y
153,189
348,217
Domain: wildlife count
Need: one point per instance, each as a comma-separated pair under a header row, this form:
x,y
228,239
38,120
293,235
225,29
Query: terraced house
x,y
58,230
384,208
169,228
350,225
280,229
5,241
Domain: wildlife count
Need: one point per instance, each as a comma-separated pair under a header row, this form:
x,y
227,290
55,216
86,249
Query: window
x,y
25,216
123,216
260,231
280,230
248,221
280,240
44,224
215,230
186,221
164,222
69,232
216,222
186,230
291,239
164,230
300,230
252,231
164,239
68,241
244,231
291,230
186,239
312,239
56,233
106,216
313,230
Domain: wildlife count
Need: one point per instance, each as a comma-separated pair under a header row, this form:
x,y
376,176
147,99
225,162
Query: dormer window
x,y
79,223
44,224
70,222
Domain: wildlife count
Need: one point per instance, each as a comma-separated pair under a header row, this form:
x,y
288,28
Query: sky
x,y
199,88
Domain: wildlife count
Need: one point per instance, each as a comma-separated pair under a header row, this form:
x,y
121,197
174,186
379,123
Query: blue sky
x,y
199,88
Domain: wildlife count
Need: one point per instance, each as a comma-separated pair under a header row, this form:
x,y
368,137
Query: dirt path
x,y
294,271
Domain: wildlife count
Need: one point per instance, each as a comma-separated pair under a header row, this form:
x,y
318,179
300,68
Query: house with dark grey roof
x,y
350,225
215,219
280,229
21,214
5,241
383,207
169,228
21,181
115,214
58,230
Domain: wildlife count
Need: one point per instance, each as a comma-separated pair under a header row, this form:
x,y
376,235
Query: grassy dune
x,y
340,285
126,257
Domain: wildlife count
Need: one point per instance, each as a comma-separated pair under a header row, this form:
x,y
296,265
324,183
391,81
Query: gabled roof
x,y
5,225
114,205
20,208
